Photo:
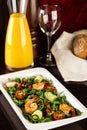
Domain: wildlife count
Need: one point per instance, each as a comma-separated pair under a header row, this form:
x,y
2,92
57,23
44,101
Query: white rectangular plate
x,y
60,88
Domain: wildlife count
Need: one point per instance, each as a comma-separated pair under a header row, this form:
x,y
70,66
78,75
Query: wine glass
x,y
49,22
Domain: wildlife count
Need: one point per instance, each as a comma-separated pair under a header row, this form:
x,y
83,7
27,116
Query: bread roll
x,y
80,46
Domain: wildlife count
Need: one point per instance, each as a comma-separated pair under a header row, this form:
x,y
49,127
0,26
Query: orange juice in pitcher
x,y
18,44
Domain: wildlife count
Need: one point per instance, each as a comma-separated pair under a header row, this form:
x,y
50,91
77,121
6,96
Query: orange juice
x,y
18,44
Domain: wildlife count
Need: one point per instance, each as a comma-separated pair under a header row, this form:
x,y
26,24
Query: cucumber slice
x,y
50,96
39,78
38,113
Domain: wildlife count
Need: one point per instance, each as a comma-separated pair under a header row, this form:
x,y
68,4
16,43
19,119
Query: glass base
x,y
8,68
44,61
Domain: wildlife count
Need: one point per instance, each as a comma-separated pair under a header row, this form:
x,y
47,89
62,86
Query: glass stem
x,y
49,56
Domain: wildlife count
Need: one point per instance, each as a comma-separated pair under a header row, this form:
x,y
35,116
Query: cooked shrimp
x,y
38,86
31,105
10,84
66,109
20,94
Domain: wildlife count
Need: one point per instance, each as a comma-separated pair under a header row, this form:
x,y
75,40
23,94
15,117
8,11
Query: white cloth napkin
x,y
70,66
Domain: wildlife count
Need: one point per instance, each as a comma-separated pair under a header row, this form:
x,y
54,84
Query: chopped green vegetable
x,y
50,96
38,113
39,78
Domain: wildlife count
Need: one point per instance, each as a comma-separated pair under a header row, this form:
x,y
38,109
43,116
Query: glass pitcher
x,y
18,43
